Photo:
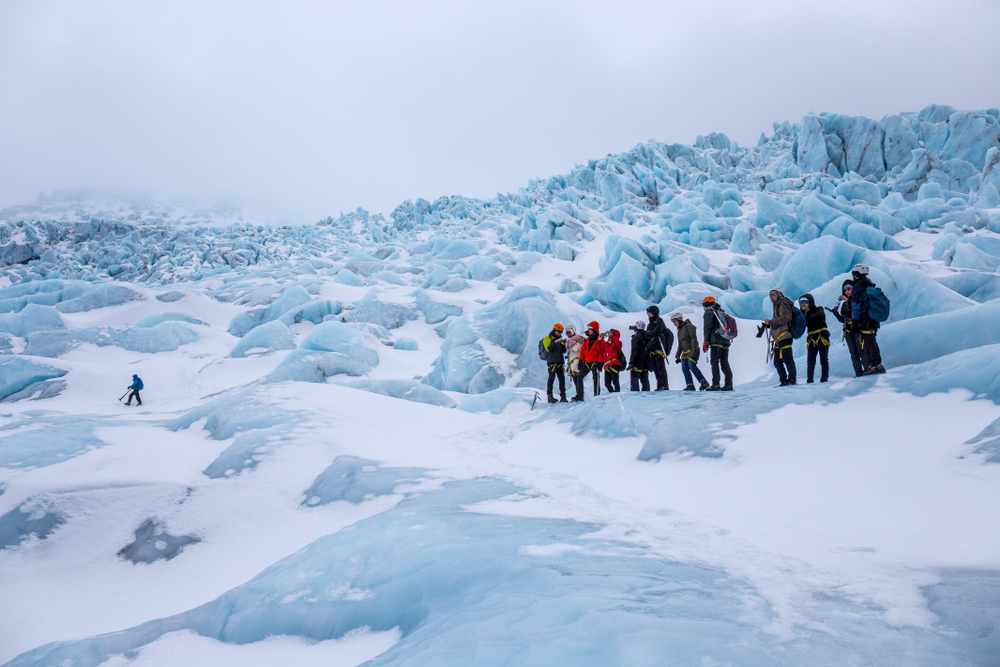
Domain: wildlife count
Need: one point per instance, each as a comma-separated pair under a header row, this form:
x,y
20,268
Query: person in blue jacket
x,y
134,390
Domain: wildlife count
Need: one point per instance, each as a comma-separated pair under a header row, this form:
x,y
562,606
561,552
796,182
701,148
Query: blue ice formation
x,y
373,310
514,325
164,337
315,311
153,542
43,439
170,297
150,321
240,412
407,344
19,376
408,390
266,338
355,480
331,348
246,451
987,442
31,318
434,311
416,568
294,298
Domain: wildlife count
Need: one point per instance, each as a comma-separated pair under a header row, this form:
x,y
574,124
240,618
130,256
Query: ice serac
x,y
815,263
496,346
332,348
899,142
812,156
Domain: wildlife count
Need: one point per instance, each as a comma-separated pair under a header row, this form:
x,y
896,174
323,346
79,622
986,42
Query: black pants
x,y
639,377
870,355
783,360
857,360
611,381
658,365
556,370
720,359
135,393
822,350
585,368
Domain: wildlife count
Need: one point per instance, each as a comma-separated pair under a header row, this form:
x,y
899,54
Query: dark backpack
x,y
878,304
543,354
798,325
727,325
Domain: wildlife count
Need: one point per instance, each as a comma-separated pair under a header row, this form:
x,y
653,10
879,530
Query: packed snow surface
x,y
344,453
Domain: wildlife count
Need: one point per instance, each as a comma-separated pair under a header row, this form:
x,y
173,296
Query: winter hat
x,y
595,326
641,326
777,290
707,300
655,310
557,327
845,285
860,269
134,375
807,298
677,316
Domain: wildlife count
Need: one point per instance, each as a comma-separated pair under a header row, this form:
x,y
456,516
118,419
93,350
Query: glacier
x,y
344,427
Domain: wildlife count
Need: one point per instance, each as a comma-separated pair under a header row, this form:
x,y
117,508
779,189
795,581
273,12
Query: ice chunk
x,y
976,369
32,518
769,257
497,345
242,411
314,311
100,296
152,543
625,288
293,299
356,480
348,277
18,374
332,348
152,320
772,212
435,312
568,286
484,268
406,344
746,239
899,142
860,191
812,156
383,313
31,318
458,249
266,338
815,263
170,297
968,256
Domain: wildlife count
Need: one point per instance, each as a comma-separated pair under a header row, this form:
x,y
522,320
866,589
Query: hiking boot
x,y
690,387
562,399
727,387
792,382
878,370
809,381
552,399
714,387
824,379
576,399
704,385
783,383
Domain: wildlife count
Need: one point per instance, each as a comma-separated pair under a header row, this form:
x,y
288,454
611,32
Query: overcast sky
x,y
312,108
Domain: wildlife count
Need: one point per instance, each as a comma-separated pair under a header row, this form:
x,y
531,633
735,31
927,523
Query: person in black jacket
x,y
817,339
862,326
843,314
659,340
719,346
555,357
638,361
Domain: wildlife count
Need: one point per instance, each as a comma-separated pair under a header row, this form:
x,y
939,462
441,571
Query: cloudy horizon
x,y
309,110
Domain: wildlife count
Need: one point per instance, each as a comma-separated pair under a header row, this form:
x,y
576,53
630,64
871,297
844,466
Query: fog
x,y
313,108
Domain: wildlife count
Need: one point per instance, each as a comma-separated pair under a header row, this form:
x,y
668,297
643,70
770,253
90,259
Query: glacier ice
x,y
266,338
27,520
355,480
408,390
18,375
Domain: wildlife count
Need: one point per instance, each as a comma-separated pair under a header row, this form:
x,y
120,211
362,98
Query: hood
x,y
615,334
655,310
595,326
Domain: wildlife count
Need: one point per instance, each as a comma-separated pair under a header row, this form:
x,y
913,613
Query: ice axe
x,y
124,395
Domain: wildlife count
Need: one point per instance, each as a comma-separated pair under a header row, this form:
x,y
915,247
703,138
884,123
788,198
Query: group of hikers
x,y
863,307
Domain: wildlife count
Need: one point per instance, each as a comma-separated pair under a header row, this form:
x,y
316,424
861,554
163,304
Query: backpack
x,y
798,325
727,325
543,354
878,304
138,384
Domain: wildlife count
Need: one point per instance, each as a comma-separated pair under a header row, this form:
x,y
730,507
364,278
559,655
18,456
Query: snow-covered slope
x,y
337,460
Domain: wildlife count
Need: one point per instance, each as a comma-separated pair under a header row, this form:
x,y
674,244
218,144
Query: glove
x,y
677,359
704,346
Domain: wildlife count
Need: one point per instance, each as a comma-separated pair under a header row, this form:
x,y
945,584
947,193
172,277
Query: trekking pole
x,y
533,401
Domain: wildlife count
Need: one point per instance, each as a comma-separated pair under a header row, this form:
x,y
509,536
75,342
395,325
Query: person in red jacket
x,y
591,360
612,360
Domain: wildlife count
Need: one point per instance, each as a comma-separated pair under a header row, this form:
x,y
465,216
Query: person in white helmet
x,y
863,327
781,324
